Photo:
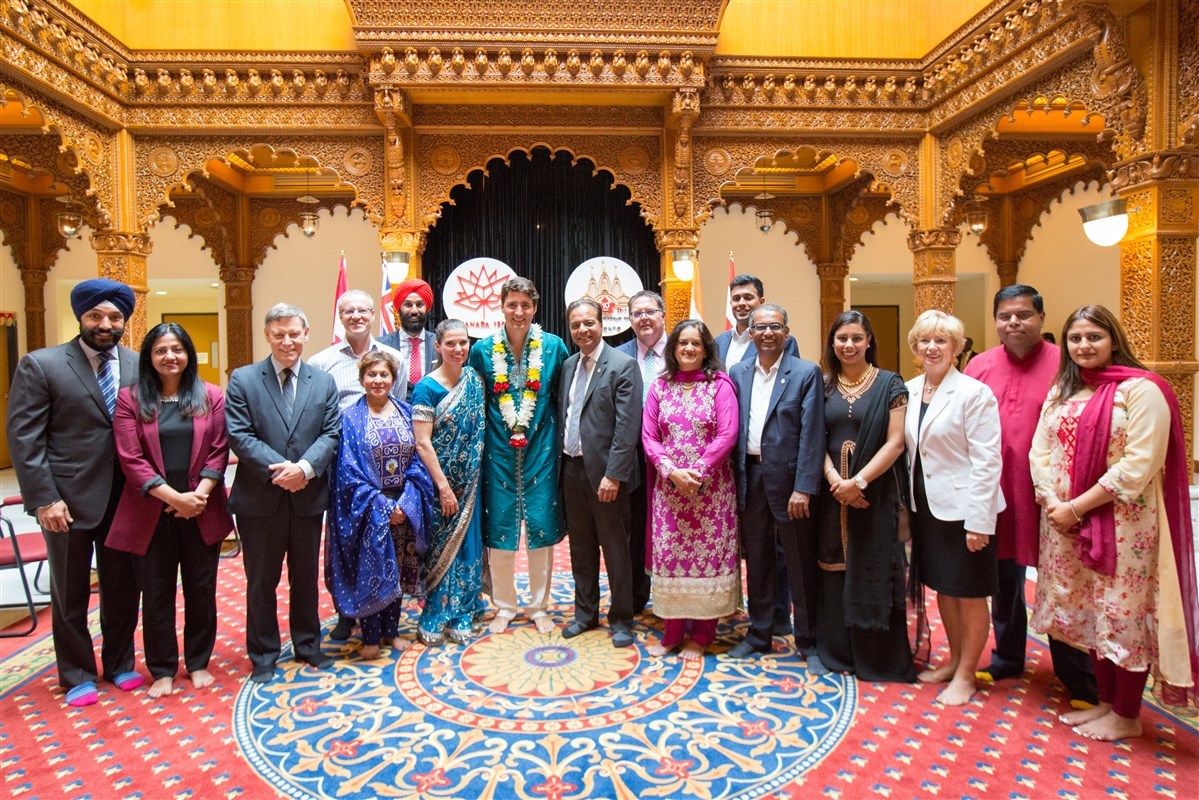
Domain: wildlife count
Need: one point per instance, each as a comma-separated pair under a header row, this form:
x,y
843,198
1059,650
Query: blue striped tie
x,y
108,382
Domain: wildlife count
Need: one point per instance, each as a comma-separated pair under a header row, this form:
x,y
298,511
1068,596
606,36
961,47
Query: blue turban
x,y
93,292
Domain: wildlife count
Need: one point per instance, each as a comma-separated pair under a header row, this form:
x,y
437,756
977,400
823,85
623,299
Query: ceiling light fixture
x,y
309,221
1105,223
762,214
68,221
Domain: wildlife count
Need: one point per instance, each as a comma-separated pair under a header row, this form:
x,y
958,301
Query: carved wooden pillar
x,y
34,281
1007,273
400,241
122,257
1157,267
832,292
238,283
934,273
677,231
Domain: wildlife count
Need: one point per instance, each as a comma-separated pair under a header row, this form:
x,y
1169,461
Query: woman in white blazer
x,y
952,435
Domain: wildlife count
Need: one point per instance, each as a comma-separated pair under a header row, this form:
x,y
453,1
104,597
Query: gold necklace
x,y
854,391
854,384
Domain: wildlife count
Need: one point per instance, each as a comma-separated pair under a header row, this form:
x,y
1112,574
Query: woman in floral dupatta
x,y
448,418
379,510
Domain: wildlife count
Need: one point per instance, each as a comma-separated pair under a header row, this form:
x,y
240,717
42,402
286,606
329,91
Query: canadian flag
x,y
729,321
343,286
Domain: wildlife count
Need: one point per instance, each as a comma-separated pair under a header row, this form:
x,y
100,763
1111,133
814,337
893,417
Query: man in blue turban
x,y
60,433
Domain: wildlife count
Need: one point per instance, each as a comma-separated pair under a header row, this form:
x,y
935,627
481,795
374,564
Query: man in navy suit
x,y
647,312
779,455
284,426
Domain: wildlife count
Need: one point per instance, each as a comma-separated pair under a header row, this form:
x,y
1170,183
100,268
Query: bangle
x,y
830,469
1073,510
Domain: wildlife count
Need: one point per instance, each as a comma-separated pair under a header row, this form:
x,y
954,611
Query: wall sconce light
x,y
1105,223
682,264
68,221
976,221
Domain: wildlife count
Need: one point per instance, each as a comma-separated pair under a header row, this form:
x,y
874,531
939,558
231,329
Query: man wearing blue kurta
x,y
519,366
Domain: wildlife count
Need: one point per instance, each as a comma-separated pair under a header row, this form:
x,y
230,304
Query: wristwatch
x,y
861,482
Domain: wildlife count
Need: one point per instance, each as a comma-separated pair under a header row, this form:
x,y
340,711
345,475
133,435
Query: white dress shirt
x,y
759,402
738,344
340,361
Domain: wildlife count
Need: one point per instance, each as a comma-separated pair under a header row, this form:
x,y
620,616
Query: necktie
x,y
108,383
649,372
289,392
414,361
573,446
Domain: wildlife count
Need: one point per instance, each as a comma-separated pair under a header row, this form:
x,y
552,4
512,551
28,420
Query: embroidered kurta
x,y
454,563
694,559
521,484
1020,386
1134,617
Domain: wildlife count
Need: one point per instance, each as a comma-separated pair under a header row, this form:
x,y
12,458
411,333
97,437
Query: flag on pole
x,y
697,295
387,323
343,286
730,321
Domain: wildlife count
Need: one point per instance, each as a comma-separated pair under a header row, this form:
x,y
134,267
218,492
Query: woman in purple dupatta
x,y
380,505
1116,574
689,429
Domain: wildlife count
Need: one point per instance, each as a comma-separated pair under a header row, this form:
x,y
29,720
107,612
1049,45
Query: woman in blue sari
x,y
448,419
379,510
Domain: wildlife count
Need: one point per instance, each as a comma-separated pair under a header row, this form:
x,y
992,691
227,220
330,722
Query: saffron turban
x,y
91,293
413,286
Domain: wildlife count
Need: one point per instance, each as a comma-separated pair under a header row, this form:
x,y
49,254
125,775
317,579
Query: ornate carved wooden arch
x,y
620,177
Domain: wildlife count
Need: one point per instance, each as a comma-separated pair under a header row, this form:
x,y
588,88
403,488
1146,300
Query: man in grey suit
x,y
779,454
284,425
599,407
418,356
60,434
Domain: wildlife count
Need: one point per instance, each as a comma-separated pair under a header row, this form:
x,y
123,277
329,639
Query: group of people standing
x,y
435,459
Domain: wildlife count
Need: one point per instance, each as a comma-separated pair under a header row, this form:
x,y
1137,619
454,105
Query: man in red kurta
x,y
1020,371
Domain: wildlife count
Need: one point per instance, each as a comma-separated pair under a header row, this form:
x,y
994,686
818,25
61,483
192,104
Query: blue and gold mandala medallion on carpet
x,y
530,715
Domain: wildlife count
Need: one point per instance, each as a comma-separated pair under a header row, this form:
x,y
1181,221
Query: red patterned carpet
x,y
525,715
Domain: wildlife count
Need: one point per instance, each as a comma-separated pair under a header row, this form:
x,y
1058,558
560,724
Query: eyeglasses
x,y
762,327
357,312
644,314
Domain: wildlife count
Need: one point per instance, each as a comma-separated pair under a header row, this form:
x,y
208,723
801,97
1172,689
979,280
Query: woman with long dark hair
x,y
862,622
1116,572
172,446
689,430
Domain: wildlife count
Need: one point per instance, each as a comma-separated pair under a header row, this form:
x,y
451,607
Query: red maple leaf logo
x,y
481,289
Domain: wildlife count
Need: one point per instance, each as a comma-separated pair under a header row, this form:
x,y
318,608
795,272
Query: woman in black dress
x,y
862,625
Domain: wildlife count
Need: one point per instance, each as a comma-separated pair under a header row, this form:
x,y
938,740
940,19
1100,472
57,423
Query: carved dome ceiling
x,y
780,29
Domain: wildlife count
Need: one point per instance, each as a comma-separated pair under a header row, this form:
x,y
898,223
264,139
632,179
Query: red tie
x,y
414,359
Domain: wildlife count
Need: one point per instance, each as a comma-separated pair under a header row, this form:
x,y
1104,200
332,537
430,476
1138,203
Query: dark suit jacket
x,y
60,433
260,436
140,453
793,436
610,423
395,338
791,348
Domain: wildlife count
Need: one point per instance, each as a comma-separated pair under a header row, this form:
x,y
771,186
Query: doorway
x,y
205,331
885,322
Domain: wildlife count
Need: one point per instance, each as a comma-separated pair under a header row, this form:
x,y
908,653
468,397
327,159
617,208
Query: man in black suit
x,y
779,454
647,312
599,406
60,434
284,425
418,356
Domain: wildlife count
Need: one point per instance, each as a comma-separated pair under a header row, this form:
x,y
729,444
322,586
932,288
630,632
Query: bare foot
x,y
499,624
939,675
400,644
691,652
656,649
544,624
1111,727
957,693
370,652
1073,718
160,687
201,678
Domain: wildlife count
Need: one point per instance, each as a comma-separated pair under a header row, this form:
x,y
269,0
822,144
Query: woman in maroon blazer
x,y
172,445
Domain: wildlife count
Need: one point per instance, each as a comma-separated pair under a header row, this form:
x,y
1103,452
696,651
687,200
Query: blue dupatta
x,y
362,570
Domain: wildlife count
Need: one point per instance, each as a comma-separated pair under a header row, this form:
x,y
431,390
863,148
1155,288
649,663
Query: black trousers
x,y
70,556
639,516
1009,616
266,542
594,526
178,548
760,534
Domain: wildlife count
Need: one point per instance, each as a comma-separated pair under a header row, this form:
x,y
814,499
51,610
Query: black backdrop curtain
x,y
542,216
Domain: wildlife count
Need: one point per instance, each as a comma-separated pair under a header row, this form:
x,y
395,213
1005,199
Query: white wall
x,y
787,273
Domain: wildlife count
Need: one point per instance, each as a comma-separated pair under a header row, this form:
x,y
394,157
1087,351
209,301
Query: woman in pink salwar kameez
x,y
689,430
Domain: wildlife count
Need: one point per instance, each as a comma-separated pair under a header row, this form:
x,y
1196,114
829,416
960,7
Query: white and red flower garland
x,y
517,420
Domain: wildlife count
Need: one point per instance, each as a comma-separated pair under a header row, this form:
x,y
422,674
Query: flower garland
x,y
517,421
